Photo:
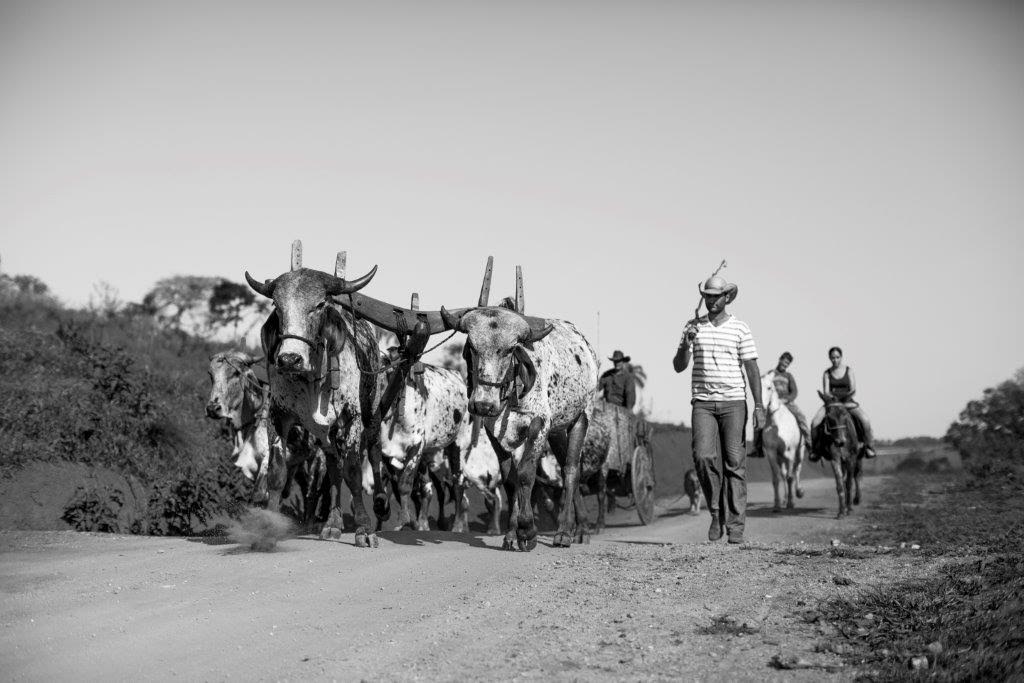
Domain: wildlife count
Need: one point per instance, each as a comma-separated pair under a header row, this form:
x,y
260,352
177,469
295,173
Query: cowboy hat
x,y
617,356
717,285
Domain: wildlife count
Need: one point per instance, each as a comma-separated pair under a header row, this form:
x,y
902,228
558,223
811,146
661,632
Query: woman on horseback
x,y
838,383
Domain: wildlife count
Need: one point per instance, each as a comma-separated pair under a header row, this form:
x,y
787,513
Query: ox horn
x,y
539,328
485,288
336,285
262,288
520,301
296,254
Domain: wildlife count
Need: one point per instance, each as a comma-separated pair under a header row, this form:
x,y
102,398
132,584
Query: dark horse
x,y
836,439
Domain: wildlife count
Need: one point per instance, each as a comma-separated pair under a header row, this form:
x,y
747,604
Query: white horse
x,y
782,444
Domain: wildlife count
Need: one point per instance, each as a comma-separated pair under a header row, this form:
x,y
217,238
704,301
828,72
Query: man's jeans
x,y
719,456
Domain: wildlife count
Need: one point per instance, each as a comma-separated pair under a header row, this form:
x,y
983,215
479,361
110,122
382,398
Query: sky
x,y
859,165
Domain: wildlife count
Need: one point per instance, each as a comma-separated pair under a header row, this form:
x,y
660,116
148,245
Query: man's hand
x,y
759,418
689,332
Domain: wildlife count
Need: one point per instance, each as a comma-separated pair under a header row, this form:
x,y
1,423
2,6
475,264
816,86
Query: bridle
x,y
507,394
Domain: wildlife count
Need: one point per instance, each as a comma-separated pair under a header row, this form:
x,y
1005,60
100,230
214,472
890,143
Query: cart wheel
x,y
643,484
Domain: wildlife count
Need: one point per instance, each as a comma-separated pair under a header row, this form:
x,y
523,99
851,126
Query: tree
x,y
989,434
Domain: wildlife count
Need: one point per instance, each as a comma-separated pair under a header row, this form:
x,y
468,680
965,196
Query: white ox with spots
x,y
423,427
530,380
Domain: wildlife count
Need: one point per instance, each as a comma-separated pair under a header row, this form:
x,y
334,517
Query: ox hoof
x,y
330,533
365,540
777,508
459,527
799,493
422,526
563,539
839,515
582,537
789,505
508,543
856,499
526,544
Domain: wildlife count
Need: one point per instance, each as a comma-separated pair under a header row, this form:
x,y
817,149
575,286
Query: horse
x,y
836,440
782,444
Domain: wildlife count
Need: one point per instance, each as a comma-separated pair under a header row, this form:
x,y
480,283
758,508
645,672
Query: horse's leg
x,y
856,482
774,463
789,479
798,462
837,472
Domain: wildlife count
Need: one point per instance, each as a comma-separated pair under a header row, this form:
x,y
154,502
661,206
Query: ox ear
x,y
333,330
453,319
270,336
539,328
262,288
527,370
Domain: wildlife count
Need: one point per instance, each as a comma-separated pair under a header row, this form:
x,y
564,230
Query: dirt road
x,y
635,603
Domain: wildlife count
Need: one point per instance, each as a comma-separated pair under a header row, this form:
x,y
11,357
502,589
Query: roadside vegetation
x,y
108,388
960,616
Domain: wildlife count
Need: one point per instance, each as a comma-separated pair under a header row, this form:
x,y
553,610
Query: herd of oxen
x,y
337,410
525,425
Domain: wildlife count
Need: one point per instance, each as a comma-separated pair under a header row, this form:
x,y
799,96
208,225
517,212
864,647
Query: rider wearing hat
x,y
618,385
724,364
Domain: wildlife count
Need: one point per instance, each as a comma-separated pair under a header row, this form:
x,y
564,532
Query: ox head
x,y
302,318
496,344
229,371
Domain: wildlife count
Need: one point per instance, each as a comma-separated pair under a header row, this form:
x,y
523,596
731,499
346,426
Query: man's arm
x,y
792,388
685,351
754,382
853,382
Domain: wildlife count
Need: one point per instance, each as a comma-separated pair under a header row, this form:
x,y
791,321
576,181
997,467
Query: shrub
x,y
989,433
112,390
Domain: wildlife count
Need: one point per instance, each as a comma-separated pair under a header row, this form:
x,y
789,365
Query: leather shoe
x,y
715,530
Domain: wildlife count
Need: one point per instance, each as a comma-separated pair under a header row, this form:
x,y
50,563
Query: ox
x,y
479,467
781,444
423,427
324,376
530,380
240,398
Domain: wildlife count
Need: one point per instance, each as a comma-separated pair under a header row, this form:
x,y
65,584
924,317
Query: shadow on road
x,y
765,510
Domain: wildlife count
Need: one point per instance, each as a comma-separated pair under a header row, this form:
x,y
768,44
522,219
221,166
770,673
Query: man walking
x,y
618,385
723,351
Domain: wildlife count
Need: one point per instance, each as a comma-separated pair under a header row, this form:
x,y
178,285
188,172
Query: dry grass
x,y
965,610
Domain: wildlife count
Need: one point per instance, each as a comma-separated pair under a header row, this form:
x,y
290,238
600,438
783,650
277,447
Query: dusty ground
x,y
638,603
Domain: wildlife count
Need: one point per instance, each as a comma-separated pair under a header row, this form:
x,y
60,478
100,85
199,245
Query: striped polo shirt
x,y
718,353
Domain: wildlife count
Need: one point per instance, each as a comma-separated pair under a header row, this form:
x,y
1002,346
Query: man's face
x,y
783,364
618,364
715,302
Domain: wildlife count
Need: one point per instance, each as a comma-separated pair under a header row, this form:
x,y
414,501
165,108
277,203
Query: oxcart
x,y
628,467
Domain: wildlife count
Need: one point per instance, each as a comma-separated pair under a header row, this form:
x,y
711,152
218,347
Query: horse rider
x,y
839,384
618,385
785,387
722,350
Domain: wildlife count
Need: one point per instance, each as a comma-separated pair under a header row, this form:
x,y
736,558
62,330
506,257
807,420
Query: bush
x,y
113,390
989,433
